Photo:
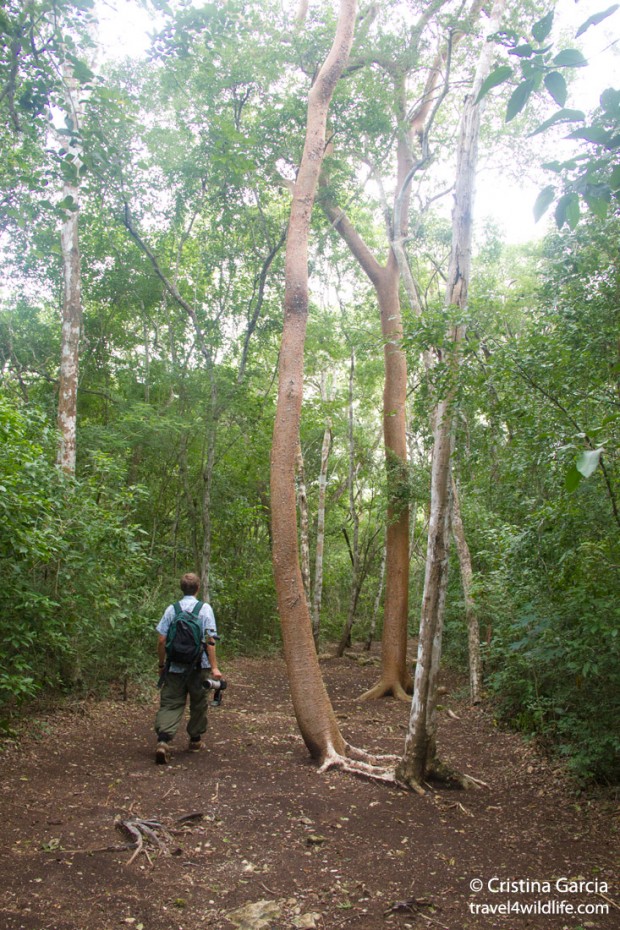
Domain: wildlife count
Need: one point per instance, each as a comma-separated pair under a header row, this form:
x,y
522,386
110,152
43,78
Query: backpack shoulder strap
x,y
178,610
197,608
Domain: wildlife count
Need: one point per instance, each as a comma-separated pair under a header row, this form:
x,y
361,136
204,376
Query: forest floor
x,y
274,845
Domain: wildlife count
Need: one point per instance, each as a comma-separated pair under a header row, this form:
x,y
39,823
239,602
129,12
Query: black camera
x,y
217,685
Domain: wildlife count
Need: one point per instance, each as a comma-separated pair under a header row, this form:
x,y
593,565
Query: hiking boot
x,y
194,745
161,753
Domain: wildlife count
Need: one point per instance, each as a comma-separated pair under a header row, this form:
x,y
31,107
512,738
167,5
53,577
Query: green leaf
x,y
556,85
587,462
570,58
522,51
493,80
598,203
82,72
614,179
68,204
610,100
572,479
595,134
567,210
542,28
544,201
562,116
518,99
596,19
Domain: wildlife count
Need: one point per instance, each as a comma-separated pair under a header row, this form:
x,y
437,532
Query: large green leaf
x,y
544,201
493,80
570,58
522,51
556,85
588,461
567,210
595,134
518,99
596,19
562,116
543,27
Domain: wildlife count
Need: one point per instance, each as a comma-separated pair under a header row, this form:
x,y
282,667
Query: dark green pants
x,y
172,702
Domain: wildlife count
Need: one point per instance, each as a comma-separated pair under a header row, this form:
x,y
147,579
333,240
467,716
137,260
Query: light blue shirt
x,y
206,616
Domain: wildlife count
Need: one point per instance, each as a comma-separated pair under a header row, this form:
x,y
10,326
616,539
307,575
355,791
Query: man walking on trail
x,y
181,680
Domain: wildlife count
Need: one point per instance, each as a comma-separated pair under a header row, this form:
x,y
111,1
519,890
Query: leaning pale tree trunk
x,y
72,280
420,756
471,616
313,710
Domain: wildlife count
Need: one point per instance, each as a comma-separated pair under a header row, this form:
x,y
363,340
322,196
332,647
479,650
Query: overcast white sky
x,y
125,28
511,204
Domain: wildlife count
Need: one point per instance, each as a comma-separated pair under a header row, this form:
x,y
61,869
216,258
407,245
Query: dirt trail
x,y
277,845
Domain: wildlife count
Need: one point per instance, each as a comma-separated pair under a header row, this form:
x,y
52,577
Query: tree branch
x,y
169,286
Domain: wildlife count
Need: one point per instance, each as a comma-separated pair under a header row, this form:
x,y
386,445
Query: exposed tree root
x,y
385,688
139,833
141,830
438,771
361,755
364,768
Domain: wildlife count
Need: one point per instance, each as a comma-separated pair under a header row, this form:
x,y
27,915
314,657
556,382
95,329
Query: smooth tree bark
x,y
313,710
72,284
471,617
395,676
420,755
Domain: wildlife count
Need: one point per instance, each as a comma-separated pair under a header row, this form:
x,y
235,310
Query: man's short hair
x,y
190,583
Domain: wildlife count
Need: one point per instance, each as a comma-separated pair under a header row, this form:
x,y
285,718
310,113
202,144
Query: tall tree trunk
x,y
471,617
315,716
419,759
72,289
395,677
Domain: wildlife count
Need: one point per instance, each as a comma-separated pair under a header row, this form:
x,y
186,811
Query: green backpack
x,y
184,640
